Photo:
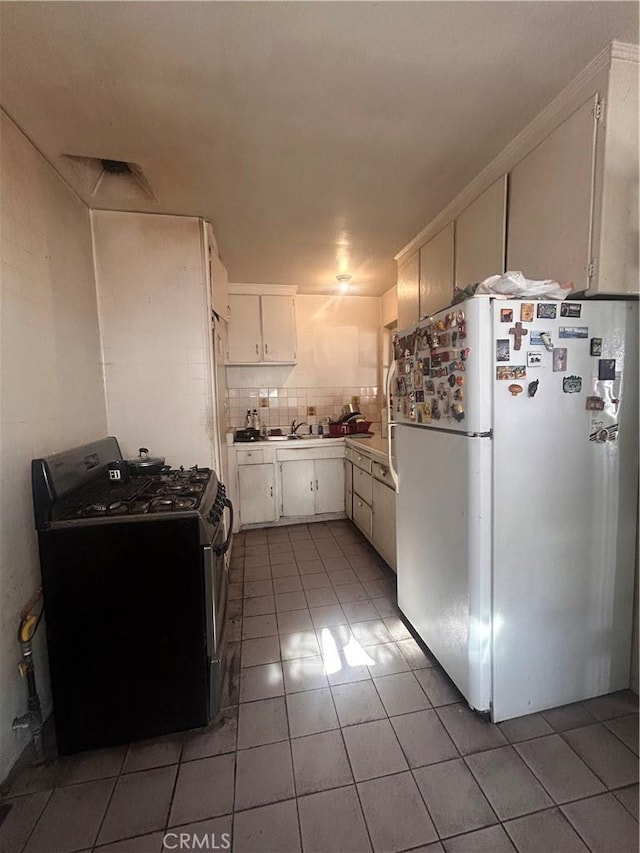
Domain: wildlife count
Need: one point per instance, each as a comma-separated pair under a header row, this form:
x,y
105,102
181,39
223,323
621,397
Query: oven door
x,y
216,582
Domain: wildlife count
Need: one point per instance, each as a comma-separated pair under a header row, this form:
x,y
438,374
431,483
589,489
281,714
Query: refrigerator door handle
x,y
390,424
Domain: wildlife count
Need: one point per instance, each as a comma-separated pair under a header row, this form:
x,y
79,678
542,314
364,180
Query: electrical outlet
x,y
311,411
264,402
355,401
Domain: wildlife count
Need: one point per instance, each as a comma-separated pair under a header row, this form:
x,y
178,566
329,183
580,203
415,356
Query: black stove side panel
x,y
124,608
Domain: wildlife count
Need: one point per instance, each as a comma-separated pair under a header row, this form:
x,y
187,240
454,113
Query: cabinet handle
x,y
311,484
266,348
316,485
271,490
257,350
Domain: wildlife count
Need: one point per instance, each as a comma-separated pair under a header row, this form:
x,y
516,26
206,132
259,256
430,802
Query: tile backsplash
x,y
285,405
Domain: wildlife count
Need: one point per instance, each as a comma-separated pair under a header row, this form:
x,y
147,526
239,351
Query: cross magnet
x,y
518,332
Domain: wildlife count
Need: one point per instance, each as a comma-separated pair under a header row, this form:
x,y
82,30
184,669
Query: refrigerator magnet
x,y
436,360
511,371
426,411
506,315
429,387
570,309
546,340
518,333
503,346
559,359
457,412
572,384
594,404
573,332
442,391
452,379
596,346
547,310
532,388
515,389
435,410
458,395
607,368
534,358
426,366
419,396
464,355
526,312
459,380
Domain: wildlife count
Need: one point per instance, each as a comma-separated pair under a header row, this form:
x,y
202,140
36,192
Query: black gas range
x,y
135,584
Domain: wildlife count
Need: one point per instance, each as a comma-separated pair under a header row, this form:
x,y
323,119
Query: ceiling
x,y
318,138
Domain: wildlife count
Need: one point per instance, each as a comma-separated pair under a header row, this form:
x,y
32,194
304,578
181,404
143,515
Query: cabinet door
x,y
297,487
362,515
329,483
362,484
348,488
257,493
384,521
550,203
278,328
408,291
245,339
480,236
436,272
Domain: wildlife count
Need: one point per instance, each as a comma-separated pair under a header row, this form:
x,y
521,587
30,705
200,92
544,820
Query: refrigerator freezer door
x,y
565,506
441,369
444,551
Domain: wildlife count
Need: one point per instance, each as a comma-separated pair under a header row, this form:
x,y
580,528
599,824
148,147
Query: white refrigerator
x,y
515,428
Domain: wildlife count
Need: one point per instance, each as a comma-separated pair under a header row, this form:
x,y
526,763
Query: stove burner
x,y
167,503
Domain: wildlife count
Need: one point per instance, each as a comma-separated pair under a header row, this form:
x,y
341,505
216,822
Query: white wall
x,y
52,392
156,334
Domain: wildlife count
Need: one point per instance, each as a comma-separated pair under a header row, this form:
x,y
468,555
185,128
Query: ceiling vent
x,y
108,181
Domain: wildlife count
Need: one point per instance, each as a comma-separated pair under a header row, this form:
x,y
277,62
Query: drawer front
x,y
362,484
290,454
349,453
381,472
249,457
362,515
362,461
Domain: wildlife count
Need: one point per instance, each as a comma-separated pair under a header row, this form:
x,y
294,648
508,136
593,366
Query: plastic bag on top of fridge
x,y
513,283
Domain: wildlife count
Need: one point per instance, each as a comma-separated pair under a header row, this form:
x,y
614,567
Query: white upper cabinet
x,y
216,274
408,291
551,202
278,328
245,330
262,329
436,272
480,236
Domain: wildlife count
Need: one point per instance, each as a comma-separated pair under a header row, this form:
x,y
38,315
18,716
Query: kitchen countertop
x,y
376,445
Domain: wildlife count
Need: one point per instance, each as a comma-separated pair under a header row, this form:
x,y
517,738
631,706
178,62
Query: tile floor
x,y
340,733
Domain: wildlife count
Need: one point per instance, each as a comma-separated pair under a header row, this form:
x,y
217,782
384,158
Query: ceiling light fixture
x,y
343,280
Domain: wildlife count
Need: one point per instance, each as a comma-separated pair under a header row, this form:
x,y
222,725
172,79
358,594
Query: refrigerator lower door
x,y
444,551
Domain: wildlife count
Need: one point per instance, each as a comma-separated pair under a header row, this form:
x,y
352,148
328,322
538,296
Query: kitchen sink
x,y
292,437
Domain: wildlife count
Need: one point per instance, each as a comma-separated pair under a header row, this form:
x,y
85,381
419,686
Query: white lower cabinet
x,y
297,496
348,487
363,515
311,486
256,484
384,521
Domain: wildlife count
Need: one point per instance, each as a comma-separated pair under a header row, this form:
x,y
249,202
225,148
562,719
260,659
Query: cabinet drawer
x,y
362,484
362,461
249,457
362,515
381,472
349,453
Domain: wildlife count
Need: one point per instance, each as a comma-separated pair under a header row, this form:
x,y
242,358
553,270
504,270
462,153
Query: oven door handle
x,y
222,549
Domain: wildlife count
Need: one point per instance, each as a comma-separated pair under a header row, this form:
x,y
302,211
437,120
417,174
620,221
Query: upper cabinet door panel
x,y
408,291
480,236
245,339
278,328
436,272
551,201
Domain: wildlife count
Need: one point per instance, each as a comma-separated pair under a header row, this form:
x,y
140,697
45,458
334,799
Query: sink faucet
x,y
295,427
